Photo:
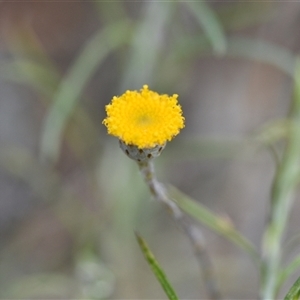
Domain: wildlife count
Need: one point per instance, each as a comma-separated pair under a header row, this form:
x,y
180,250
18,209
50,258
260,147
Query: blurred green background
x,y
70,199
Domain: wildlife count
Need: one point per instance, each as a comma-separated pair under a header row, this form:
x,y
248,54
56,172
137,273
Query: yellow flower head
x,y
144,119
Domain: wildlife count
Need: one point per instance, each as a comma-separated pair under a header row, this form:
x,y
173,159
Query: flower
x,y
144,119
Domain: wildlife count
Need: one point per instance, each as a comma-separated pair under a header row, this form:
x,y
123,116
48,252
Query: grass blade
x,y
287,272
156,268
146,45
260,50
216,223
72,86
187,48
210,24
294,292
282,197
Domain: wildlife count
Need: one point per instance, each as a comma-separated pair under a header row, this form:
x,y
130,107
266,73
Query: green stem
x,y
159,191
282,199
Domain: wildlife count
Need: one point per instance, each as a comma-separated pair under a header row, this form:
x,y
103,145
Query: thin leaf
x,y
261,50
238,47
288,271
156,268
218,224
210,24
45,80
71,88
294,292
147,45
282,197
31,73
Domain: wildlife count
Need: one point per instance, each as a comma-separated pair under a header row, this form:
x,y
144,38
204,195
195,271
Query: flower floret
x,y
145,118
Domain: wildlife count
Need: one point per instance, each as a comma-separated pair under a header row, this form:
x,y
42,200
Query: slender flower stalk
x,y
144,121
159,192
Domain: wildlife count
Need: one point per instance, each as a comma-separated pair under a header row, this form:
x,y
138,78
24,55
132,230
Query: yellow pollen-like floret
x,y
144,119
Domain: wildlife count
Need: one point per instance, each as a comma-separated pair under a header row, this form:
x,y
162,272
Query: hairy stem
x,y
158,190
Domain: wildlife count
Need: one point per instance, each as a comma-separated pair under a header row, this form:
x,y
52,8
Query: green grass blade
x,y
216,223
287,272
45,80
294,292
282,198
147,45
72,86
156,268
28,72
260,50
187,48
210,25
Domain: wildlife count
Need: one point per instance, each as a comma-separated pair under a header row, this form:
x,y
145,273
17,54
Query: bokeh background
x,y
70,200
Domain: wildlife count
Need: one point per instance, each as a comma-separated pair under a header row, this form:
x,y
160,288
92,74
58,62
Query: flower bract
x,y
144,118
